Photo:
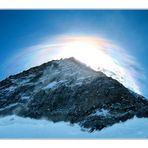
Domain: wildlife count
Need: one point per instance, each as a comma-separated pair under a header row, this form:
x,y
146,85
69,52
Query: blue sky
x,y
24,28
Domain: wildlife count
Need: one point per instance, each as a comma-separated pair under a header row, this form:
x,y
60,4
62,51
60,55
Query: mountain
x,y
67,90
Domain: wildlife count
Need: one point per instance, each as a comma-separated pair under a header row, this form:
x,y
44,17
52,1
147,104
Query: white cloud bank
x,y
18,127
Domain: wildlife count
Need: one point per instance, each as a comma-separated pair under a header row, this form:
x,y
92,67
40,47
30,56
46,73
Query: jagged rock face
x,y
67,90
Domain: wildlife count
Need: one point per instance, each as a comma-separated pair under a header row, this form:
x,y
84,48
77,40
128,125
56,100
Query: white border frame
x,y
73,4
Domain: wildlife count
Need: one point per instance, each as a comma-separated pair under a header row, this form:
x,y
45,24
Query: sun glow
x,y
89,51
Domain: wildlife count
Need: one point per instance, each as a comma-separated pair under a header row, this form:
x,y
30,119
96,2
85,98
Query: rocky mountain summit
x,y
67,90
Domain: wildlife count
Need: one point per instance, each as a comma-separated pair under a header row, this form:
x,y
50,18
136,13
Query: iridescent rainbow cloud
x,y
98,53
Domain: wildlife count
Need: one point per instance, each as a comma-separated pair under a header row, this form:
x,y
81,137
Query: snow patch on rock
x,y
102,112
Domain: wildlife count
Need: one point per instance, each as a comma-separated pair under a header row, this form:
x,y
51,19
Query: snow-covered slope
x,y
18,127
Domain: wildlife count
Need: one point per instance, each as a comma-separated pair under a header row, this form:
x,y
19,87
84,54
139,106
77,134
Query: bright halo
x,y
95,52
